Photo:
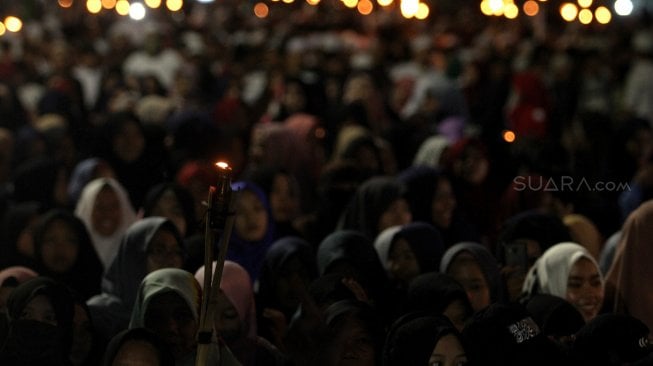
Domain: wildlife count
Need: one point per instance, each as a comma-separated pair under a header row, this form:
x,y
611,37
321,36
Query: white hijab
x,y
550,272
105,246
383,243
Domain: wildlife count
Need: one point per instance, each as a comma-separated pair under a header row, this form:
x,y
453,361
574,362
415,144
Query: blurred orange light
x,y
365,7
261,11
531,8
222,164
108,4
64,4
509,136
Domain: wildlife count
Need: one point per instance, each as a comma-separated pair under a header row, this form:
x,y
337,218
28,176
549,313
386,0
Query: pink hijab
x,y
631,268
237,286
20,273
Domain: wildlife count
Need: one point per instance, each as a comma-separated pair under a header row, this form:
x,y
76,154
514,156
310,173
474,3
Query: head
x,y
174,203
164,249
252,212
127,137
465,269
420,339
567,270
137,346
356,336
105,217
443,203
167,304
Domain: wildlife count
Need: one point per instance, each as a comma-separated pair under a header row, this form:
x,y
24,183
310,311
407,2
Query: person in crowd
x,y
409,250
420,339
105,209
438,294
476,269
40,324
584,232
84,172
235,320
10,278
17,234
137,346
63,250
350,254
173,202
431,199
253,231
567,270
377,204
149,244
168,302
282,189
625,290
506,334
613,339
288,269
558,319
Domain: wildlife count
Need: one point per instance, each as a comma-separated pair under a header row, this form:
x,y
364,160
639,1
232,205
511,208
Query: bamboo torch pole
x,y
220,219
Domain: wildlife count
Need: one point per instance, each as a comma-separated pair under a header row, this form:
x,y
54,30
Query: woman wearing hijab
x,y
421,339
626,289
105,209
288,269
63,251
235,317
431,199
17,247
10,278
377,204
438,294
40,313
409,250
175,203
584,232
569,271
352,255
253,230
168,303
149,244
84,172
476,269
138,345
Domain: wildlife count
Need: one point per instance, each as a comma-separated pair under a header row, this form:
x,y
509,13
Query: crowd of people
x,y
463,190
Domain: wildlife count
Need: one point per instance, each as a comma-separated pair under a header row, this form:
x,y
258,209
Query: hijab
x,y
550,273
237,286
433,292
584,232
85,274
183,197
485,260
430,151
248,254
425,241
112,308
632,265
105,246
274,267
19,273
413,337
138,334
31,342
372,198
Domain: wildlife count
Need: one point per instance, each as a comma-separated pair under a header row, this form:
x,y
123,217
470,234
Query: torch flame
x,y
222,165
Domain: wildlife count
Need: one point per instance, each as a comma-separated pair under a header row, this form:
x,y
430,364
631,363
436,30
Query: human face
x,y
467,272
402,261
60,246
443,204
448,352
585,288
457,314
40,309
163,252
283,199
251,217
136,353
168,206
129,143
170,317
354,344
227,321
292,283
106,212
398,213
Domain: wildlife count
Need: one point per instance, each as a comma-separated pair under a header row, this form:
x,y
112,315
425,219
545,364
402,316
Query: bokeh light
x,y
137,11
350,3
93,6
13,24
409,8
531,8
122,7
62,3
585,3
108,4
365,7
511,11
313,2
384,2
154,4
585,16
603,15
174,5
261,10
3,29
568,11
423,11
509,136
623,7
